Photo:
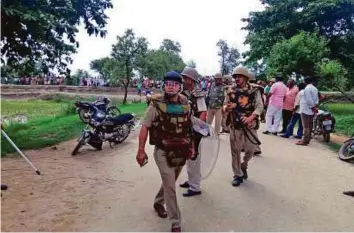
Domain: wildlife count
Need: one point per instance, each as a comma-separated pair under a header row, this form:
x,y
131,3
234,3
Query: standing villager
x,y
274,110
288,105
308,108
296,115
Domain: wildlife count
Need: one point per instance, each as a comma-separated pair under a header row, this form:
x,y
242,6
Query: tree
x,y
158,62
129,53
170,46
229,57
333,74
299,54
46,30
332,19
191,64
75,79
100,65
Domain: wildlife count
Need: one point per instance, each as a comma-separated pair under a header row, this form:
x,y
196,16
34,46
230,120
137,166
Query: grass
x,y
49,122
33,109
344,114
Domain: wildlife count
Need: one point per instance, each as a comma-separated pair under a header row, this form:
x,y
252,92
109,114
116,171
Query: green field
x,y
344,114
49,122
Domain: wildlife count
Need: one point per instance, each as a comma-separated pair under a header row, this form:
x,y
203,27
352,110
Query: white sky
x,y
196,24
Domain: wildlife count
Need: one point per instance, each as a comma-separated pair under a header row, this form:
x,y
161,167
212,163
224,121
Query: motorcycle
x,y
102,127
102,103
323,123
346,152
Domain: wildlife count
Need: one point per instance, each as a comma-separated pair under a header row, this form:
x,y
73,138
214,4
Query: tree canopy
x,y
299,54
283,35
229,57
128,54
332,19
170,46
33,31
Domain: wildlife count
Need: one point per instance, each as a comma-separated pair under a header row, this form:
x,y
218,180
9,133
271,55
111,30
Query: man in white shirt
x,y
308,107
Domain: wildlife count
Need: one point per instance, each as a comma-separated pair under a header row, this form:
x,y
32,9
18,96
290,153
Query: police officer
x,y
216,97
227,87
168,121
198,106
245,107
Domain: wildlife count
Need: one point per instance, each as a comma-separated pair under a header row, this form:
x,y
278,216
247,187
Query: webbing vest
x,y
245,100
172,131
193,102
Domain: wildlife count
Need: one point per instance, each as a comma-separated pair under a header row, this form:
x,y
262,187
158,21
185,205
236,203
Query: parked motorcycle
x,y
102,103
346,152
323,123
103,127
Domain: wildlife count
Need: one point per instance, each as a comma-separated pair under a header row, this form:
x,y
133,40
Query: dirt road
x,y
290,188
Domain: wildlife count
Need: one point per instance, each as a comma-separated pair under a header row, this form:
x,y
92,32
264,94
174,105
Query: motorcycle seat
x,y
121,119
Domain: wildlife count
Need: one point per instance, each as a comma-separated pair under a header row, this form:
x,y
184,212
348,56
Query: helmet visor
x,y
172,87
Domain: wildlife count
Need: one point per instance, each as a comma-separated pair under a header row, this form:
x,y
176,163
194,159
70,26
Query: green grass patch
x,y
50,123
34,109
41,133
344,114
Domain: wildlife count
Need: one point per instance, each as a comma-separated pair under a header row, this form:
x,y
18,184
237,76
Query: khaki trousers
x,y
223,122
167,193
239,140
218,117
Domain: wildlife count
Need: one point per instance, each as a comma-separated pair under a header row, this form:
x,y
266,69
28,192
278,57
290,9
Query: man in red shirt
x,y
289,101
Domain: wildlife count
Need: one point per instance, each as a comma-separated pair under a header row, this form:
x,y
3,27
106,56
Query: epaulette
x,y
157,97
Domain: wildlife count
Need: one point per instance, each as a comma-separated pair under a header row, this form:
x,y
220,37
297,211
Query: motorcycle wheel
x,y
83,115
113,111
346,153
78,146
326,137
126,132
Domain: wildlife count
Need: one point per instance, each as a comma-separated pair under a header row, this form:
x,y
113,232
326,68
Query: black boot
x,y
237,181
245,175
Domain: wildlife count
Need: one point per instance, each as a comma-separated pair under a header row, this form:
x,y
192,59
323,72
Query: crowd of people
x,y
92,82
236,104
288,105
49,79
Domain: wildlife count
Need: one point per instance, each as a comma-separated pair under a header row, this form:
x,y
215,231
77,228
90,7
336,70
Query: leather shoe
x,y
237,181
191,193
176,229
184,185
245,174
160,210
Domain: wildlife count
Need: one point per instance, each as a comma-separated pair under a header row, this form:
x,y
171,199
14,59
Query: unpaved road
x,y
290,188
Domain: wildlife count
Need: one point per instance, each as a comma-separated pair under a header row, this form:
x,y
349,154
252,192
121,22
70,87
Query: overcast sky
x,y
196,24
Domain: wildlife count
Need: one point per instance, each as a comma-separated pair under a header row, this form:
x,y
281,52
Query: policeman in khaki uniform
x,y
227,88
168,121
244,107
216,96
199,110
